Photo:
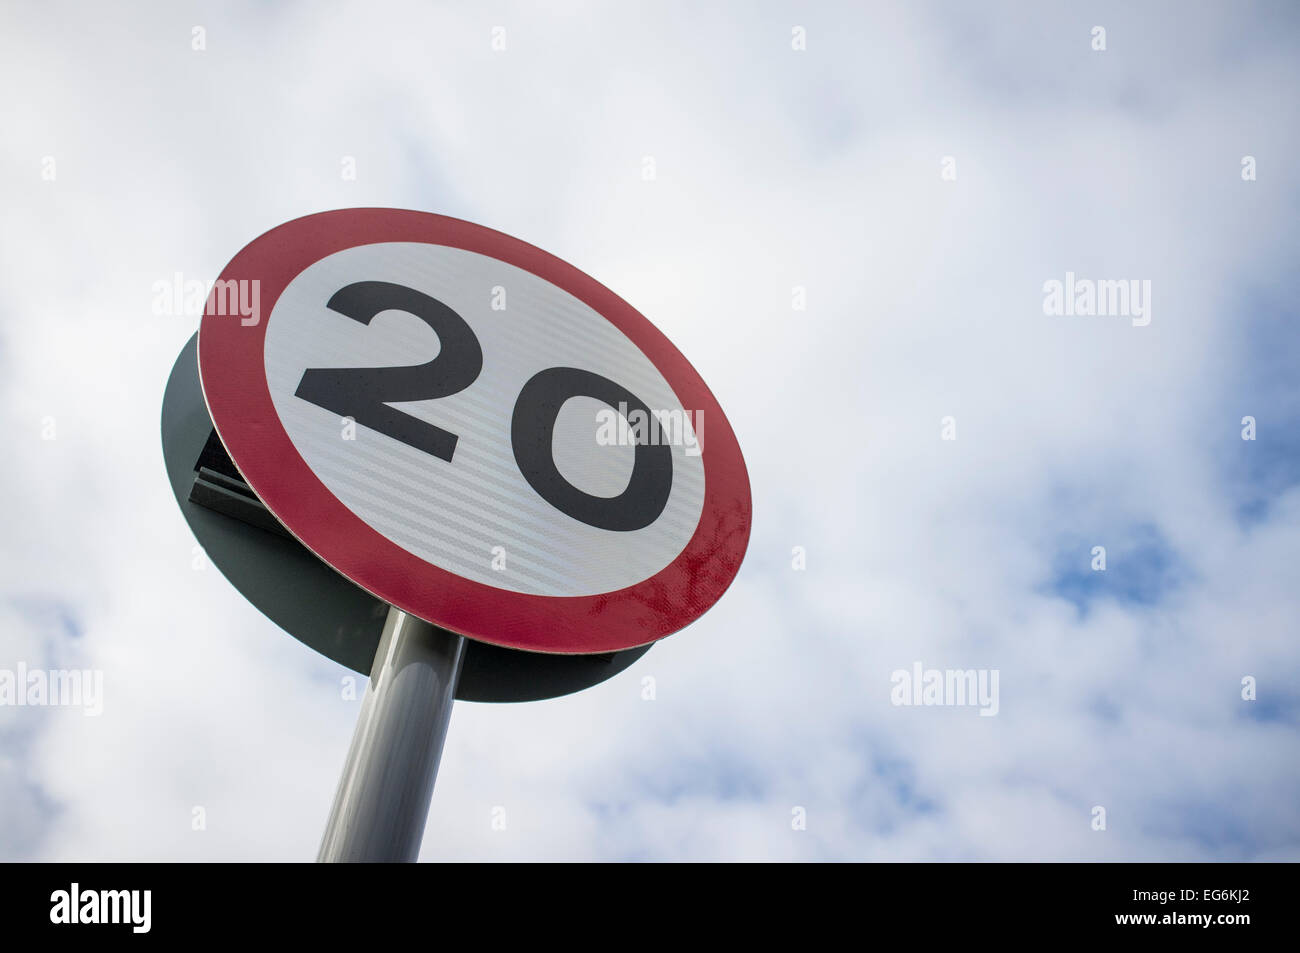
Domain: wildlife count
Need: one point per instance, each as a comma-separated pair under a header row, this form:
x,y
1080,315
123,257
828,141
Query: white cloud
x,y
774,168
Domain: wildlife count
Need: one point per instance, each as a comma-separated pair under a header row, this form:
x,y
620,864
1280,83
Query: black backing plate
x,y
315,604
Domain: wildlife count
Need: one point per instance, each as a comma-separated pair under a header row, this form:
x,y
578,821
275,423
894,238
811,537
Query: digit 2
x,y
363,393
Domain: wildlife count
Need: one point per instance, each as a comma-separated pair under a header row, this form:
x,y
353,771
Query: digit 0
x,y
532,429
363,392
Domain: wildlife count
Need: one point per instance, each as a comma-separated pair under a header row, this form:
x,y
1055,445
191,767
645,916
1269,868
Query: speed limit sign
x,y
474,431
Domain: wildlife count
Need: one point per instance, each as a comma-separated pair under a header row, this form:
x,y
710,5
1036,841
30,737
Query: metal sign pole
x,y
383,798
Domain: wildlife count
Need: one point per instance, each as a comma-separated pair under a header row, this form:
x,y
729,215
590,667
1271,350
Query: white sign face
x,y
477,514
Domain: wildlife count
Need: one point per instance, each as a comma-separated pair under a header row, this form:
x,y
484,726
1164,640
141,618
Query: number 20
x,y
364,393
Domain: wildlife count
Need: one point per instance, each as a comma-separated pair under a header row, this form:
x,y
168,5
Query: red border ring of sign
x,y
232,371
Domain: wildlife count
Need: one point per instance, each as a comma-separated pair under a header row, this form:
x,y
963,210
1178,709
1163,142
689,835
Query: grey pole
x,y
383,797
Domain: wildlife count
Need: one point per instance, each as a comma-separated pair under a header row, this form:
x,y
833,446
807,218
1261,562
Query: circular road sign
x,y
474,431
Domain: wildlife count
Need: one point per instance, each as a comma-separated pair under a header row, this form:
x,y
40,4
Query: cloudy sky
x,y
920,171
